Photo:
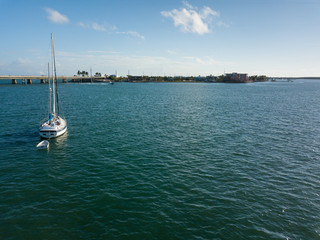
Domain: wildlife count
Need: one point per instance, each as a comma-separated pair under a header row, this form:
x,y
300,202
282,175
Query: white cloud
x,y
56,17
101,52
205,61
171,52
20,66
133,33
188,5
24,61
191,20
222,24
206,12
107,61
108,28
97,27
81,24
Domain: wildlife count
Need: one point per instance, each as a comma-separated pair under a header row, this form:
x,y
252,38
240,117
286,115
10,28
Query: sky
x,y
279,38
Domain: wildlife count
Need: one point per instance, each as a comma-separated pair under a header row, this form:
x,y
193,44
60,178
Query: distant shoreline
x,y
19,79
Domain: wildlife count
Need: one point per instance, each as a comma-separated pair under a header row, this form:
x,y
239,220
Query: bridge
x,y
293,78
43,79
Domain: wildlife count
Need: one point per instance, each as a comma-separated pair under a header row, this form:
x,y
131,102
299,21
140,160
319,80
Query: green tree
x,y
113,78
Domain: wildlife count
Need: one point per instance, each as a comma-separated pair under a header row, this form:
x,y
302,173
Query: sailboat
x,y
55,125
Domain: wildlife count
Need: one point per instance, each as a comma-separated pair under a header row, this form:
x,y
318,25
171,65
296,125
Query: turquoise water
x,y
163,161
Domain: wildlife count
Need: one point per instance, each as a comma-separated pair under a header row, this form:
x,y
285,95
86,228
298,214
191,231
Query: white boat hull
x,y
54,129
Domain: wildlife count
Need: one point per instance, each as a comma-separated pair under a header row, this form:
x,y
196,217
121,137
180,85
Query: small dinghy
x,y
43,144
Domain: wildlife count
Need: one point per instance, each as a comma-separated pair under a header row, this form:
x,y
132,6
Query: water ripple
x,y
164,161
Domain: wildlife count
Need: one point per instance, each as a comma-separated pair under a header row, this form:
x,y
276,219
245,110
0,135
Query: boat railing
x,y
44,120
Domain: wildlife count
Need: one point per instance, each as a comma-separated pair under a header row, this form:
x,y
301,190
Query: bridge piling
x,y
25,79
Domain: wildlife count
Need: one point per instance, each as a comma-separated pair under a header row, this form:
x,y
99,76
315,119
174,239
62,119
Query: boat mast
x,y
49,107
53,78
